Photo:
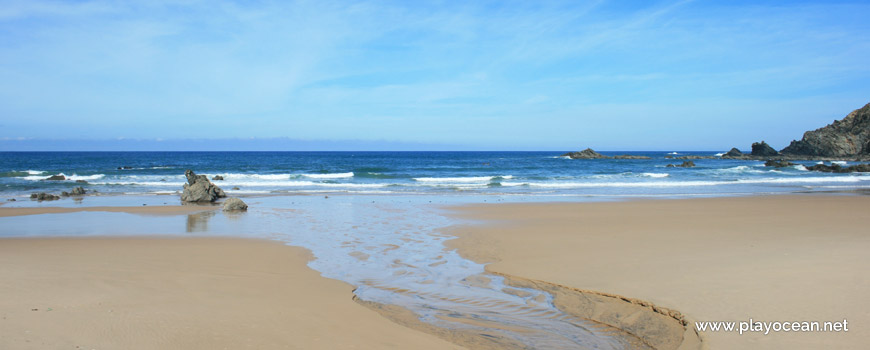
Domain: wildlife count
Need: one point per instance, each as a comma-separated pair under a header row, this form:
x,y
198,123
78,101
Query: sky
x,y
426,75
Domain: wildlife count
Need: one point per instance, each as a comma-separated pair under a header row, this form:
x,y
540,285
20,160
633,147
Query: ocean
x,y
483,173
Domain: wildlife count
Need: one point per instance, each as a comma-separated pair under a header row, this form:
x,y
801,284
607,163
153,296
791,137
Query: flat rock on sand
x,y
180,293
773,258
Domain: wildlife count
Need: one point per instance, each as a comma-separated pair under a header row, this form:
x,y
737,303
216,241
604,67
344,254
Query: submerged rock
x,y
81,182
837,168
842,138
199,189
686,164
763,149
56,178
779,163
234,204
217,178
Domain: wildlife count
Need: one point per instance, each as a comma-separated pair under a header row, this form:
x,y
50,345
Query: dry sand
x,y
181,293
771,258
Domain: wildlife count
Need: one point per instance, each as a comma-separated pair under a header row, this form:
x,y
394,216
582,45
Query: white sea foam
x,y
461,179
329,176
662,184
656,175
673,153
720,154
35,172
840,162
75,177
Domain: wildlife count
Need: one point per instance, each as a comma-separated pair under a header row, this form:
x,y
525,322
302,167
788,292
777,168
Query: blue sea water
x,y
501,173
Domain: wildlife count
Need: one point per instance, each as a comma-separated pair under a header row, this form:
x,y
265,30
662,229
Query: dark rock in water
x,y
686,164
235,188
125,167
78,191
842,138
81,182
11,200
626,156
837,168
64,194
217,178
734,152
585,154
42,196
763,149
234,204
779,163
199,189
56,178
696,157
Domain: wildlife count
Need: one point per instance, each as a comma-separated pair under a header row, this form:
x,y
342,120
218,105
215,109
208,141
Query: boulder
x,y
778,163
56,178
234,204
734,152
11,200
199,189
762,149
78,191
585,154
42,196
843,138
217,178
695,157
81,182
235,188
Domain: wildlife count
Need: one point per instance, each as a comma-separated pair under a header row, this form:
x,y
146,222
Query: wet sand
x,y
148,210
769,258
181,293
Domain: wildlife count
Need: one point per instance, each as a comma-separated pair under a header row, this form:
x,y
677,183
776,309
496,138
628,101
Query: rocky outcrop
x,y
848,137
199,189
78,191
779,163
686,164
762,149
234,204
585,154
690,157
56,178
591,154
217,178
837,168
734,152
42,196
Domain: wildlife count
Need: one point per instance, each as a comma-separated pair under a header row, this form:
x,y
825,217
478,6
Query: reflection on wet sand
x,y
198,222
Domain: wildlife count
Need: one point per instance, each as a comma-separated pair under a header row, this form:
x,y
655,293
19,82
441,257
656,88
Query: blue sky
x,y
500,75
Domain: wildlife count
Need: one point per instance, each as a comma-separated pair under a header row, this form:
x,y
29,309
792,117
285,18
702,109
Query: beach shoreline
x,y
770,258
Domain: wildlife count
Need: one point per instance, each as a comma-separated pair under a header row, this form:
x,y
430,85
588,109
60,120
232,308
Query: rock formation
x,y
778,163
199,189
686,164
585,154
56,178
234,204
734,152
217,178
843,138
837,168
762,149
42,196
591,154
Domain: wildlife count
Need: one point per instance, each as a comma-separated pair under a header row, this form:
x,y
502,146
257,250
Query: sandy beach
x,y
181,293
769,258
